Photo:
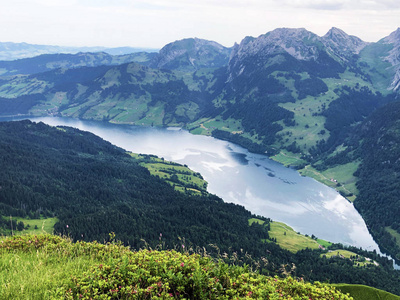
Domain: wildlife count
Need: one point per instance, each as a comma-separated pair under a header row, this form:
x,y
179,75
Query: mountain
x,y
342,45
191,55
12,51
47,62
393,56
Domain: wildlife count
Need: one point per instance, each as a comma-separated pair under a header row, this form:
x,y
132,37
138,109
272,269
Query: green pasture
x,y
340,178
33,226
394,234
287,158
358,260
363,292
205,126
181,177
288,239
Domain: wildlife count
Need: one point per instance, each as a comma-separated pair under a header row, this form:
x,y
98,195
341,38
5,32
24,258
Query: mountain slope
x,y
343,45
113,271
275,88
13,51
47,62
378,200
394,57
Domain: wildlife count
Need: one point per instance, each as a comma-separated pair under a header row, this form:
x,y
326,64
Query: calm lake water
x,y
261,185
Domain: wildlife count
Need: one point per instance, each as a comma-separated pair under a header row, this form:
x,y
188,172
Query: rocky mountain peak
x,y
341,44
393,38
394,57
298,42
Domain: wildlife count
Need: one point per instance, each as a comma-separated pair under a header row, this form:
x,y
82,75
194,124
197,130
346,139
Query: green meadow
x,y
180,177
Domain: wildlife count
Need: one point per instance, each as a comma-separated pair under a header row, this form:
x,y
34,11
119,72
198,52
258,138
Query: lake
x,y
261,185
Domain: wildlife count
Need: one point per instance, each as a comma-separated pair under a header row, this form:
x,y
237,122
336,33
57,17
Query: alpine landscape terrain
x,y
327,106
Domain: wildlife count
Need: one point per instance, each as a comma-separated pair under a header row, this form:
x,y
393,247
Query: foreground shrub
x,y
115,272
169,274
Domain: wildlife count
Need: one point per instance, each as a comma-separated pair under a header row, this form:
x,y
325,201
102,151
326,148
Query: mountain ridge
x,y
12,51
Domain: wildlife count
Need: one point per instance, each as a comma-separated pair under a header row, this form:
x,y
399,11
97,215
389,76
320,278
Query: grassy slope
x,y
50,267
362,292
395,234
288,239
343,174
340,178
350,255
44,225
187,180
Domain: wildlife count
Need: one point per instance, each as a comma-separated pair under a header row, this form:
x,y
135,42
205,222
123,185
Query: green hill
x,y
50,267
361,292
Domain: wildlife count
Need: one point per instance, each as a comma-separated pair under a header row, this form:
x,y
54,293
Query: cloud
x,y
316,4
360,5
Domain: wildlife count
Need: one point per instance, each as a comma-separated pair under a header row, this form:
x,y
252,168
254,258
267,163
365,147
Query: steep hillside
x,y
379,197
52,267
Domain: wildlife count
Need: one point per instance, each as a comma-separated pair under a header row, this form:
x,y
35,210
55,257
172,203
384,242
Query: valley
x,y
324,105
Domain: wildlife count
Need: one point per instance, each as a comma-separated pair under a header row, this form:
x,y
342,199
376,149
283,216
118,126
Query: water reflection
x,y
261,185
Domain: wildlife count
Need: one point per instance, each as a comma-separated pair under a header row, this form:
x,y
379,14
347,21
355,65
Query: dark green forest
x,y
95,188
379,175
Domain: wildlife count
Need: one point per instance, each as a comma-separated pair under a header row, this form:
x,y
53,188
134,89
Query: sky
x,y
155,23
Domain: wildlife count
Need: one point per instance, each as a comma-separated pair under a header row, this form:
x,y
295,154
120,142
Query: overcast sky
x,y
154,23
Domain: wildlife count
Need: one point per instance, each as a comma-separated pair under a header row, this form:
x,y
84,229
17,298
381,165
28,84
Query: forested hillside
x,y
95,188
379,197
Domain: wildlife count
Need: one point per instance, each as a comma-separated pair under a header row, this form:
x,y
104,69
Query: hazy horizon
x,y
155,23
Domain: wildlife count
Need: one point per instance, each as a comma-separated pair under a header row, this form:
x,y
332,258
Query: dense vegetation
x,y
50,267
379,197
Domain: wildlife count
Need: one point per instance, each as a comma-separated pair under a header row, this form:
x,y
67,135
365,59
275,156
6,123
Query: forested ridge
x,y
379,184
95,188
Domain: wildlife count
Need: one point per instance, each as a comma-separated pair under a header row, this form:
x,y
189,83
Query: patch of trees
x,y
60,78
312,86
379,179
19,105
350,108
